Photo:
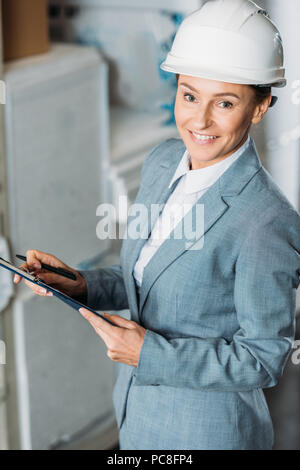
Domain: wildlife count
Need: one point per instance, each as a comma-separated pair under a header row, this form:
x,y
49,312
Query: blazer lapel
x,y
215,201
155,196
172,248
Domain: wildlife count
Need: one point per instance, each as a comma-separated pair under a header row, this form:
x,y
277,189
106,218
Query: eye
x,y
188,94
228,103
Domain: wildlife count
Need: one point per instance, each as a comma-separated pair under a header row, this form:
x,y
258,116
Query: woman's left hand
x,y
124,341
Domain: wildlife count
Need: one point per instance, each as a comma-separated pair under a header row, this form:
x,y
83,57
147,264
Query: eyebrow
x,y
217,94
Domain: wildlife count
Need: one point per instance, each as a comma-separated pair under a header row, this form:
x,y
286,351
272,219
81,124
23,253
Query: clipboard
x,y
60,295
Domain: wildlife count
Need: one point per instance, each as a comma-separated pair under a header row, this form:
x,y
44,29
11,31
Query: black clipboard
x,y
63,297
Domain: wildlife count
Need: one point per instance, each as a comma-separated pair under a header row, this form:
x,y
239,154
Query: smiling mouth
x,y
203,138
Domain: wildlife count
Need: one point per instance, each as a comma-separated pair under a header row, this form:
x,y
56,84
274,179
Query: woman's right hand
x,y
34,258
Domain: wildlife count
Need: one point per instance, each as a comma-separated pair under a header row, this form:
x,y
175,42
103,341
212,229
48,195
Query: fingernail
x,y
50,294
15,278
42,291
35,265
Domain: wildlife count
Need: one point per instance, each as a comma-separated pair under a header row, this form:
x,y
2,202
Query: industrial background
x,y
83,100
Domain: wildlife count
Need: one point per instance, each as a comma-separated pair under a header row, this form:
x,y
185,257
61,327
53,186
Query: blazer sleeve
x,y
266,279
105,288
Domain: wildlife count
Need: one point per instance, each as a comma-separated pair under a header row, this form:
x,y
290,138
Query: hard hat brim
x,y
216,75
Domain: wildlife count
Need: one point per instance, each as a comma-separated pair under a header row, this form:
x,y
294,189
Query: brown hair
x,y
261,92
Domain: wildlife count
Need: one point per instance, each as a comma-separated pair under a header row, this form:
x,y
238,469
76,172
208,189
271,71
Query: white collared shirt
x,y
192,185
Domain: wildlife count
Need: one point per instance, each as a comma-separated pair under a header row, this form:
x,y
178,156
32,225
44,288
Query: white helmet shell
x,y
231,41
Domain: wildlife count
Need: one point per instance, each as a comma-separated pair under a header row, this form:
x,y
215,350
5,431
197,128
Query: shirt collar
x,y
199,179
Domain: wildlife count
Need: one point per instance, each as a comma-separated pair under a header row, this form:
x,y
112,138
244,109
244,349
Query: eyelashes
x,y
188,94
226,107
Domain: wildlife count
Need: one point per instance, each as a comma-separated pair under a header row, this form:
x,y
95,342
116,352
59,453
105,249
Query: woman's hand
x,y
34,258
124,341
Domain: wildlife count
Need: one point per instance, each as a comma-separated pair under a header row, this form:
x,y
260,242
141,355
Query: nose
x,y
203,118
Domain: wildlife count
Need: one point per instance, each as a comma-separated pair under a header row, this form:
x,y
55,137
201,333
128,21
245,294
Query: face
x,y
224,111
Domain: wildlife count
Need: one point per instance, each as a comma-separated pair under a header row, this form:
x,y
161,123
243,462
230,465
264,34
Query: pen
x,y
60,271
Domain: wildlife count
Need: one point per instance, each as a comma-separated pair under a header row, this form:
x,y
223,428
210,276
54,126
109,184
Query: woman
x,y
212,310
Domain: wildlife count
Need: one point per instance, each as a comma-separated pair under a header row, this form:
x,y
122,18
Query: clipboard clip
x,y
36,278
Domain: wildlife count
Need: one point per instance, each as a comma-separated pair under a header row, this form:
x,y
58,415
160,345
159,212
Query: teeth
x,y
204,137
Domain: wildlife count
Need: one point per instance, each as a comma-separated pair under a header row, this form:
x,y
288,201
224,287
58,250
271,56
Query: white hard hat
x,y
231,41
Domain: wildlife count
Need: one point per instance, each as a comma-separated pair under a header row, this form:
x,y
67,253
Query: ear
x,y
261,109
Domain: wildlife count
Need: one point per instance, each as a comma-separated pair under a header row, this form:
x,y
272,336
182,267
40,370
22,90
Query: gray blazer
x,y
220,319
